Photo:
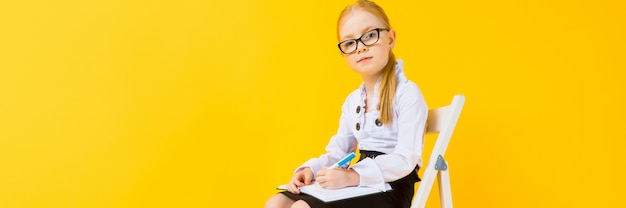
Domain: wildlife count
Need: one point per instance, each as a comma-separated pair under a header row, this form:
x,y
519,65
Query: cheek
x,y
382,49
381,52
350,59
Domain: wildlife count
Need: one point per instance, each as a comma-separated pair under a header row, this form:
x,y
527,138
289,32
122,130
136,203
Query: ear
x,y
392,38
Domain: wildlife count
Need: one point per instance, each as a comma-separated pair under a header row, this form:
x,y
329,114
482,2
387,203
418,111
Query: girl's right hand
x,y
301,178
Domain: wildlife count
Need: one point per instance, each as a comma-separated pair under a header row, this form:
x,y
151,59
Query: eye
x,y
348,44
369,35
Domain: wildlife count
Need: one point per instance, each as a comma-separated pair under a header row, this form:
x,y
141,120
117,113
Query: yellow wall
x,y
202,104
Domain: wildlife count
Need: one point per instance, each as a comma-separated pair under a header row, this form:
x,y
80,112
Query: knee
x,y
300,204
278,201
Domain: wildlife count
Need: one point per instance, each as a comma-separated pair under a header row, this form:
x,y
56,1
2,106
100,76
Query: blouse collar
x,y
400,77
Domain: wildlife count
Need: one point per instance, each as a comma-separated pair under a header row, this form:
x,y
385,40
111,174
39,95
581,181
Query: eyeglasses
x,y
368,38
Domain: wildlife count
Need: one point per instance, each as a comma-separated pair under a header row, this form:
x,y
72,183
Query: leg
x,y
279,201
300,204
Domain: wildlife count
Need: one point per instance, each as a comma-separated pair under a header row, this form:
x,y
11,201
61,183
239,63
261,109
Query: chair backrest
x,y
440,120
435,120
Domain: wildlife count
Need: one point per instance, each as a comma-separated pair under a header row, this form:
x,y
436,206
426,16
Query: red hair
x,y
388,83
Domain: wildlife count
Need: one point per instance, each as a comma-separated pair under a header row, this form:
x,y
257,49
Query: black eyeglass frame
x,y
360,39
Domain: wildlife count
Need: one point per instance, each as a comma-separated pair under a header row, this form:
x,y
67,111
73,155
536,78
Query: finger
x,y
296,190
308,178
321,172
298,183
293,188
323,184
297,179
320,179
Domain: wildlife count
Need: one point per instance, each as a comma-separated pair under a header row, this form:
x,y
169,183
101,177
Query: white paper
x,y
328,195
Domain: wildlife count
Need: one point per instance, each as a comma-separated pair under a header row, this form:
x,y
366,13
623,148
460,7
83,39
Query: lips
x,y
364,59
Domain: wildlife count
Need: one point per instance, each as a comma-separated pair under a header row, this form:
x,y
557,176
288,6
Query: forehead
x,y
358,22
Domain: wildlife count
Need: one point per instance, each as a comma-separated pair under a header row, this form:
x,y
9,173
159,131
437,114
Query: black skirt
x,y
400,197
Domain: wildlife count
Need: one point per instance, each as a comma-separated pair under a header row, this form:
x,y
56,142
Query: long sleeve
x,y
340,145
401,141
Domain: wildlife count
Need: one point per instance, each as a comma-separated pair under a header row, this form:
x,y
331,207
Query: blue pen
x,y
343,161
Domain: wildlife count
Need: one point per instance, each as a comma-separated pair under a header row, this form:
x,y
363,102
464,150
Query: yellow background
x,y
213,103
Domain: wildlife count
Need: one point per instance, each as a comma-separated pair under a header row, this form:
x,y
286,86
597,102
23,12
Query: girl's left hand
x,y
337,178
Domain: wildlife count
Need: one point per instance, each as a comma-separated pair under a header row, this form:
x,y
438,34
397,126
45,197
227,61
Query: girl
x,y
385,116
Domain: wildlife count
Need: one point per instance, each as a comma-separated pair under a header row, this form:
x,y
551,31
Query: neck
x,y
370,83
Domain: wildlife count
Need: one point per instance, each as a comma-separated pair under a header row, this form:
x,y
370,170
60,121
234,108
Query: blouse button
x,y
378,123
358,126
358,109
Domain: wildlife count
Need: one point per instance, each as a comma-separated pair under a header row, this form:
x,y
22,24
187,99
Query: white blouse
x,y
401,140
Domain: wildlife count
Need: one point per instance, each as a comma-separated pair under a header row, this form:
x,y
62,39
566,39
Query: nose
x,y
360,48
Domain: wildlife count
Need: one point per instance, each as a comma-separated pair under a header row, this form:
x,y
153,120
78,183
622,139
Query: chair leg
x,y
445,192
424,188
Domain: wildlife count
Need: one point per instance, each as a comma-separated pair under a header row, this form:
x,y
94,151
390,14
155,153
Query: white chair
x,y
441,120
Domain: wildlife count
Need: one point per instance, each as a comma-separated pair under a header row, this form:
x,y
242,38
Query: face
x,y
366,60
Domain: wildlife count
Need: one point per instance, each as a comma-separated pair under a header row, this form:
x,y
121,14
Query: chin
x,y
366,71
